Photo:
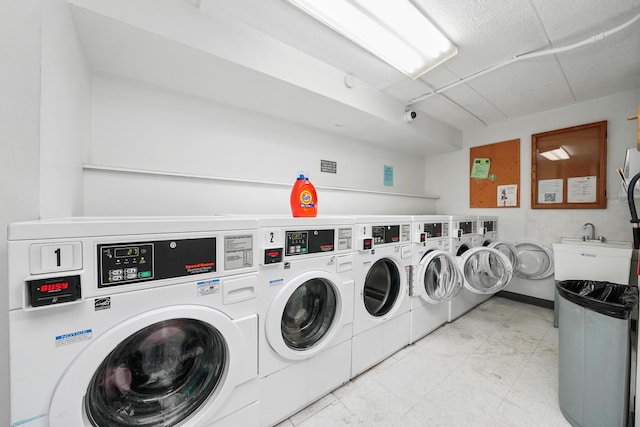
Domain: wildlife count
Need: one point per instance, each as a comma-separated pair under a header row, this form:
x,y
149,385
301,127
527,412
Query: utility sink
x,y
599,243
576,259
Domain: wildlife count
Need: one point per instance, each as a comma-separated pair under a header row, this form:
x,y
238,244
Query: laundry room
x,y
115,111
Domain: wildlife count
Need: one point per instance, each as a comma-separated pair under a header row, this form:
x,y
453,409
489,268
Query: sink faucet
x,y
593,232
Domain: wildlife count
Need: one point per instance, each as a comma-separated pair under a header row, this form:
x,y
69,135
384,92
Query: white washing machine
x,y
382,266
488,236
306,311
435,277
133,322
485,270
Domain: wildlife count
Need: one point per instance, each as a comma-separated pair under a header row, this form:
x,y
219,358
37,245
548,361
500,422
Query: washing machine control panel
x,y
306,242
467,227
490,226
390,233
436,229
120,264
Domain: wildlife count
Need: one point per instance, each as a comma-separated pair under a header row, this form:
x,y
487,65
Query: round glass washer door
x,y
536,260
510,252
439,278
306,314
485,270
163,368
384,287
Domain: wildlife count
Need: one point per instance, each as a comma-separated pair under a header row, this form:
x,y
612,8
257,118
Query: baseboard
x,y
526,299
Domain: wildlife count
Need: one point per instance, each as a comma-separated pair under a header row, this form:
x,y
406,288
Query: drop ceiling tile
x,y
525,87
439,77
609,66
565,23
485,32
472,101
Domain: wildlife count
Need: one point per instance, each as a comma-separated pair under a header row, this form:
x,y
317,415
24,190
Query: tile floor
x,y
495,366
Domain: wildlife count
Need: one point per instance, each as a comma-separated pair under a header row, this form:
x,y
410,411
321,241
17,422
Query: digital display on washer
x,y
433,230
126,263
54,290
385,234
309,241
127,252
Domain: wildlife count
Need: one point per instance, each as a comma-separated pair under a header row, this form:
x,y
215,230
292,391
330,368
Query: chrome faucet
x,y
593,232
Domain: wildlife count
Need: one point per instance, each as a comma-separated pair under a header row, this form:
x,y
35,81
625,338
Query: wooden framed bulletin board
x,y
494,175
568,168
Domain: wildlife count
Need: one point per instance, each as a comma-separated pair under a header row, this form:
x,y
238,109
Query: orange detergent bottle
x,y
304,200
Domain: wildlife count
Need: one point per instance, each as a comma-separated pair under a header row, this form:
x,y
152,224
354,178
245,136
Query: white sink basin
x,y
608,261
606,243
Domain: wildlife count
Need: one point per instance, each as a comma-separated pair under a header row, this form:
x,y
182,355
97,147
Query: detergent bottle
x,y
304,200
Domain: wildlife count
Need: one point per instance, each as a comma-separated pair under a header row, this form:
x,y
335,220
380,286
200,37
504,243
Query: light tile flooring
x,y
495,366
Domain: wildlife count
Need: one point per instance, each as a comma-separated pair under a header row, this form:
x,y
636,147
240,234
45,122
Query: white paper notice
x,y
508,195
581,189
550,191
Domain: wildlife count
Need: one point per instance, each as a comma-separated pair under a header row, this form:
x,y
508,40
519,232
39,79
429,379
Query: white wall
x,y
144,127
19,152
447,175
65,113
44,122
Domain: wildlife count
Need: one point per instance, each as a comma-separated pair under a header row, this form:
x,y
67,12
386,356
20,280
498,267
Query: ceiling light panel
x,y
557,154
394,31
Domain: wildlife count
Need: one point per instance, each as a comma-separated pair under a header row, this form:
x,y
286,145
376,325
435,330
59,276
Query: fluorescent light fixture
x,y
557,154
393,30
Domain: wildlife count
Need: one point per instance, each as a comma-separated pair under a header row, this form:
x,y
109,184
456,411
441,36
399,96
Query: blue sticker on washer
x,y
74,337
206,287
27,420
275,281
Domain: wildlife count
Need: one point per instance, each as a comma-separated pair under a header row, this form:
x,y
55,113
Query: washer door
x,y
536,260
486,242
510,252
305,315
485,270
464,247
439,278
160,368
384,287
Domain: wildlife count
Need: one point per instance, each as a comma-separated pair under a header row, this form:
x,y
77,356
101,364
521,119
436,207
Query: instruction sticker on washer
x,y
206,287
74,337
344,238
238,252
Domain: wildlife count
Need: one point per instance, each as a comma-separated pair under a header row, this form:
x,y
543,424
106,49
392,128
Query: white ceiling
x,y
487,33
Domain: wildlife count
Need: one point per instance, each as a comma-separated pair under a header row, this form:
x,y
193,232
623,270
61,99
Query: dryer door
x,y
485,270
536,260
438,277
162,368
306,314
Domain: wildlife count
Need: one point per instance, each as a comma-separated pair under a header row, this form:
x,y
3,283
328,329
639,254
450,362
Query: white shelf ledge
x,y
112,169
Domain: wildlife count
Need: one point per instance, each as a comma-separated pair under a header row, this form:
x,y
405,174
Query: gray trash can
x,y
594,351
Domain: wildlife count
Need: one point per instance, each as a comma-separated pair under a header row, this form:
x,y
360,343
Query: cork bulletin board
x,y
494,175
